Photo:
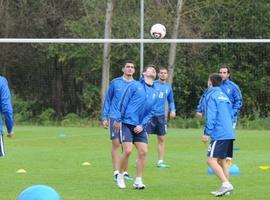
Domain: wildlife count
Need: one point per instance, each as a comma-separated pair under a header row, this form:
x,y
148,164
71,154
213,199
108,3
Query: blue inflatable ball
x,y
39,192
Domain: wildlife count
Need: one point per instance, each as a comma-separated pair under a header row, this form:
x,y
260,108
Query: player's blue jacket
x,y
165,93
137,105
202,103
235,96
218,115
5,107
113,96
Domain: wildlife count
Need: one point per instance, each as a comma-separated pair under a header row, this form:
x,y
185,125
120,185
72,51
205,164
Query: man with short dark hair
x,y
158,125
219,127
6,109
113,95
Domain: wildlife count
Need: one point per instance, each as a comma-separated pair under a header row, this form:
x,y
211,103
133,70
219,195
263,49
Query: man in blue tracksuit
x,y
134,111
219,127
232,91
158,125
113,96
6,109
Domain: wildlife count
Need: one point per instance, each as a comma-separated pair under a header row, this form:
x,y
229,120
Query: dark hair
x,y
148,66
128,61
163,68
215,79
226,67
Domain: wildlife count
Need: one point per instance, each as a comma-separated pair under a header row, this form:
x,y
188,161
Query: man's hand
x,y
9,135
205,138
116,126
138,129
199,115
105,123
172,115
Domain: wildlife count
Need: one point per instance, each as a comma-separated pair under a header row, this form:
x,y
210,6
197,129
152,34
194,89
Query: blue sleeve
x,y
238,101
200,105
107,102
170,99
6,106
210,115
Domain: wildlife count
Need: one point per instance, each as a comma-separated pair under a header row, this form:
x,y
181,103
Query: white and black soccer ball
x,y
158,31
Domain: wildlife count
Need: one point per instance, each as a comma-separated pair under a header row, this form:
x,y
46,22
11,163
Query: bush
x,y
47,117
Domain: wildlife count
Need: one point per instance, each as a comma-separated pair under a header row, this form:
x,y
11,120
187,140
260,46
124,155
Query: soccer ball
x,y
158,31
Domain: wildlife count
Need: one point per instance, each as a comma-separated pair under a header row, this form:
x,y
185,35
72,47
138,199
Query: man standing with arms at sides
x,y
134,111
219,127
232,91
158,125
114,93
6,109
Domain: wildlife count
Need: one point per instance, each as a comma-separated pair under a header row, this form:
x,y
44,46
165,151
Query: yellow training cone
x,y
264,167
21,171
86,164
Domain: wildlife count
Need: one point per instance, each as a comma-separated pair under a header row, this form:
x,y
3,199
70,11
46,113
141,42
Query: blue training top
x,y
165,93
137,105
113,96
233,92
202,103
5,107
218,117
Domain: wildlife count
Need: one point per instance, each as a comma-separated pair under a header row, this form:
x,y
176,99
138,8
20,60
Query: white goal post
x,y
139,41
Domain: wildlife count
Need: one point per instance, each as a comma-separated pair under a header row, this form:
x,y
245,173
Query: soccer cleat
x,y
214,193
223,191
127,177
162,165
115,177
138,186
120,181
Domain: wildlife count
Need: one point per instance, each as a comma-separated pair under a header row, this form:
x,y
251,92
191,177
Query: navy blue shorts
x,y
113,134
128,134
2,152
157,125
220,149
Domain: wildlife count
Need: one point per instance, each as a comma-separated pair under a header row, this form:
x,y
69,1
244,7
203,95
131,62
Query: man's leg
x,y
142,152
127,149
115,155
225,167
161,150
218,166
213,163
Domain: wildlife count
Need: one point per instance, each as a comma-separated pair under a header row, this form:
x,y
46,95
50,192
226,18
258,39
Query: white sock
x,y
138,180
124,173
115,172
160,161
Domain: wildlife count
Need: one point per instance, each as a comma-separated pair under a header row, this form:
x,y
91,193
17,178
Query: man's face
x,y
129,69
163,74
150,73
209,83
223,72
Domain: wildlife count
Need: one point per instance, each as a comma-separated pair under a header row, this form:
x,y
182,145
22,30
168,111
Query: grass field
x,y
54,156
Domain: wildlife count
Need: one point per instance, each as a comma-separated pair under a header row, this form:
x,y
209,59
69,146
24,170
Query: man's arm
x,y
211,113
171,103
6,107
106,106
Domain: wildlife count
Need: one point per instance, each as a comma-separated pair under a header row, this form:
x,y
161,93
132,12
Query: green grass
x,y
56,161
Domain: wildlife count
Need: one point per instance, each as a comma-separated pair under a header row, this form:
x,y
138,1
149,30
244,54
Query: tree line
x,y
59,79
